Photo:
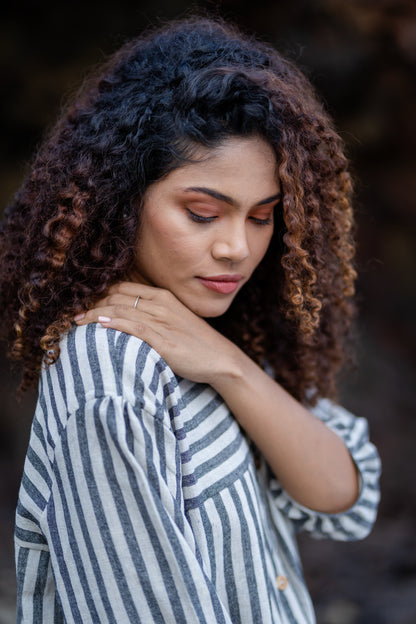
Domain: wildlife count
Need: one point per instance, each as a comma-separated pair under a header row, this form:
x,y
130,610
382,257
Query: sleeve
x,y
122,550
357,522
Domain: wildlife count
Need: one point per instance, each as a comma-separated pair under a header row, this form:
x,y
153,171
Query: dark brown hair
x,y
71,230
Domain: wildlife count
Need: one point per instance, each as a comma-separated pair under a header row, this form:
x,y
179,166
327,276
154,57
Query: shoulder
x,y
95,362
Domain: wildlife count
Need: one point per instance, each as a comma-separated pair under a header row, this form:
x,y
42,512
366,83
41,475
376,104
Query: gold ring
x,y
136,302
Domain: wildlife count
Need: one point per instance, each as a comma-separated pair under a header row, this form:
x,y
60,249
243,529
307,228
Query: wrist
x,y
231,370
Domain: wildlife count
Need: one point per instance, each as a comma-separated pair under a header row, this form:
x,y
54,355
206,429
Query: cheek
x,y
172,240
261,246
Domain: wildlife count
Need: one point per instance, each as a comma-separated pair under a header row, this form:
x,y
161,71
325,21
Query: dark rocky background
x,y
361,55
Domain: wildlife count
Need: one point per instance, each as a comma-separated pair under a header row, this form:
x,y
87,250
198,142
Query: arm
x,y
356,522
121,547
297,445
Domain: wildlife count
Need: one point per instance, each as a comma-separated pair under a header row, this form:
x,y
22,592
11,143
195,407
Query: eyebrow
x,y
226,198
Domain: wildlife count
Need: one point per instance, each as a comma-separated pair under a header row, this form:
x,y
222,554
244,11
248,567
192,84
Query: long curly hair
x,y
72,228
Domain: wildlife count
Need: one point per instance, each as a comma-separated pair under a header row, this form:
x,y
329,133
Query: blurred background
x,y
361,56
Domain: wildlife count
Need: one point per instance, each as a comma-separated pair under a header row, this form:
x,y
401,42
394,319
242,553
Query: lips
x,y
223,284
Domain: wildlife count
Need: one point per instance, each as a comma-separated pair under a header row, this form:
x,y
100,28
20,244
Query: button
x,y
281,582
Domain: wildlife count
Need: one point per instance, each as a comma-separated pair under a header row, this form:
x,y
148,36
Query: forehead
x,y
243,168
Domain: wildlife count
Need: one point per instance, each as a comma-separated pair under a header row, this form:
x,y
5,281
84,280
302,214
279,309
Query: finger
x,y
115,298
135,328
112,312
160,299
126,301
133,289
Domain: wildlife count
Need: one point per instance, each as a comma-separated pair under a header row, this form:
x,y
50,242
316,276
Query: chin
x,y
210,311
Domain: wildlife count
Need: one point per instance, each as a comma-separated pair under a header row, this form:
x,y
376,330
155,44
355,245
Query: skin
x,y
173,251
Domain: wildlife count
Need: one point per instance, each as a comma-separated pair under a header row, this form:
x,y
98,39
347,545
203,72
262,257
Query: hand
x,y
188,344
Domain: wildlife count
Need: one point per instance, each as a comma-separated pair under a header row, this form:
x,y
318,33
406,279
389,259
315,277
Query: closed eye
x,y
199,218
258,221
264,217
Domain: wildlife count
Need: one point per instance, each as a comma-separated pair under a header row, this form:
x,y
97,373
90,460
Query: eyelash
x,y
199,219
261,221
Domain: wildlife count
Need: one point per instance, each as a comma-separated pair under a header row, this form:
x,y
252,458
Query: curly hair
x,y
71,231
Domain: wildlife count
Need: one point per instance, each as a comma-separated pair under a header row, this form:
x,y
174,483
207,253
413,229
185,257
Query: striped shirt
x,y
141,501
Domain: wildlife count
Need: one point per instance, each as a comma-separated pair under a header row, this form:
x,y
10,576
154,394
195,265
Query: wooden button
x,y
281,582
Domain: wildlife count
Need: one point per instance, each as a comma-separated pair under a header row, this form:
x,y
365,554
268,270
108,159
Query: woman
x,y
177,270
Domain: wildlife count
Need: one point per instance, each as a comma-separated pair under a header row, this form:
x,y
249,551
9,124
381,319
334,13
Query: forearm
x,y
311,462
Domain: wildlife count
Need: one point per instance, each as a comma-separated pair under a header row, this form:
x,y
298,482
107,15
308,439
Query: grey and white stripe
x,y
140,501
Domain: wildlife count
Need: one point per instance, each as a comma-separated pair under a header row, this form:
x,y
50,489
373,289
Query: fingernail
x,y
104,319
79,317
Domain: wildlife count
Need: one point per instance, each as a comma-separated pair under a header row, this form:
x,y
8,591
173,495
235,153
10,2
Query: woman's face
x,y
206,226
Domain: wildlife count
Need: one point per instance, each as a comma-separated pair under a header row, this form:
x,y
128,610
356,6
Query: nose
x,y
231,244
